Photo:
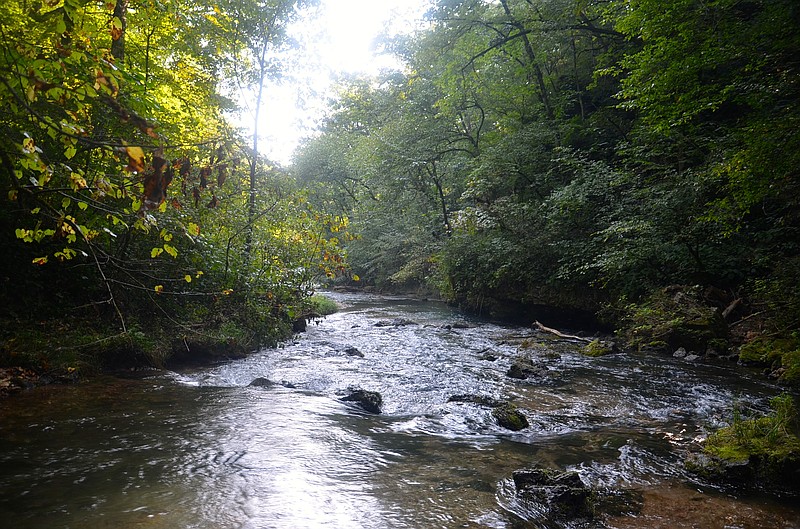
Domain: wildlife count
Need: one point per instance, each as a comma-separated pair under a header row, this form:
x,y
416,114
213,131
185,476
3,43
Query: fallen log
x,y
560,334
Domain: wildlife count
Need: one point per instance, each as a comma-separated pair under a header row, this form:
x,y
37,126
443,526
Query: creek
x,y
203,449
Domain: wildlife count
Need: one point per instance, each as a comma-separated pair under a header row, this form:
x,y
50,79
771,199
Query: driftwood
x,y
730,308
559,333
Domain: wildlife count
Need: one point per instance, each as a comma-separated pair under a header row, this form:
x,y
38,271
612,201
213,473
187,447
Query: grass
x,y
323,305
772,438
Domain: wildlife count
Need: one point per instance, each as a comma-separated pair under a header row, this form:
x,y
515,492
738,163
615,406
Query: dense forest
x,y
631,162
627,165
137,223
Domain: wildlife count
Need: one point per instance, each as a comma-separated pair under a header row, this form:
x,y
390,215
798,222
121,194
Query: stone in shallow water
x,y
370,401
262,382
509,417
352,351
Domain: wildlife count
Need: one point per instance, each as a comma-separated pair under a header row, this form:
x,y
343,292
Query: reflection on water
x,y
203,450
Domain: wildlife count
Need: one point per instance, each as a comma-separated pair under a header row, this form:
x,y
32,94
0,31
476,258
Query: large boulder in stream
x,y
370,401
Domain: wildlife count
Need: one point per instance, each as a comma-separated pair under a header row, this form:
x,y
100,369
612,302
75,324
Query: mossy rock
x,y
761,352
790,363
509,417
781,355
676,316
597,348
762,452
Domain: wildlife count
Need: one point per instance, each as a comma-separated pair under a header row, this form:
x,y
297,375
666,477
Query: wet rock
x,y
370,401
352,351
564,499
560,494
509,417
489,357
299,325
396,322
480,400
523,369
610,502
779,476
598,348
692,357
197,352
262,382
731,472
680,353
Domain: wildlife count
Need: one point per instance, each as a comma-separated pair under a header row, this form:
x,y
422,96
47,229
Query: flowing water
x,y
201,449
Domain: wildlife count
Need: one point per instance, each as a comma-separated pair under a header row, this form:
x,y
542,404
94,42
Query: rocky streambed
x,y
391,413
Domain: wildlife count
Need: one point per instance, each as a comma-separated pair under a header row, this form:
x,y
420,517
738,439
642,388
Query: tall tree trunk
x,y
118,43
537,71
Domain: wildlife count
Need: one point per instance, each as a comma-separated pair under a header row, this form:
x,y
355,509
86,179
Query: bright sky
x,y
338,38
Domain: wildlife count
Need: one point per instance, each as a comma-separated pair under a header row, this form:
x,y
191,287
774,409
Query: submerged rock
x,y
509,417
397,322
560,494
563,498
370,401
480,400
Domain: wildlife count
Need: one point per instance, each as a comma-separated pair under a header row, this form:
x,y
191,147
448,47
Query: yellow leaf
x,y
198,274
227,291
28,145
155,252
356,278
77,181
135,159
12,195
159,289
171,250
187,278
193,229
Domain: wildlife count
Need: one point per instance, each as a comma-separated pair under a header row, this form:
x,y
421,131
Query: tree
x,y
125,185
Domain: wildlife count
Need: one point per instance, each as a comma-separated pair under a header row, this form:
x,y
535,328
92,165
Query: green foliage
x,y
130,204
772,438
580,154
